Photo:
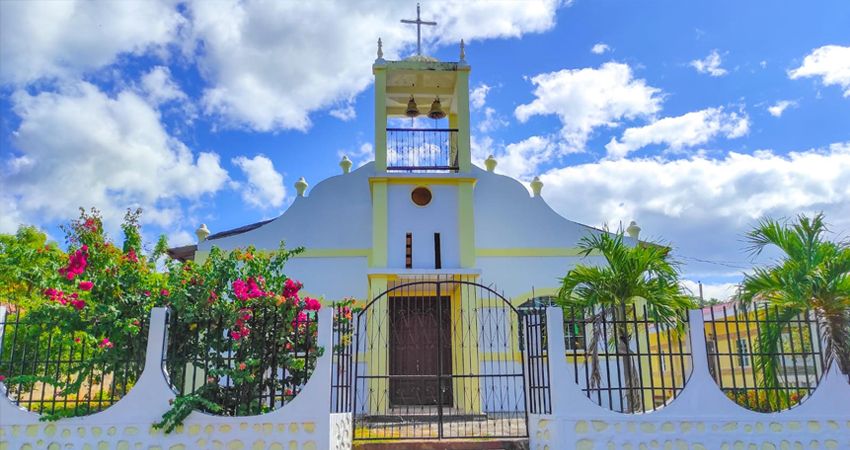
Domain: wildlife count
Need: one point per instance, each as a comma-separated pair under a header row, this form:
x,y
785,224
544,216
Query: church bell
x,y
412,110
436,111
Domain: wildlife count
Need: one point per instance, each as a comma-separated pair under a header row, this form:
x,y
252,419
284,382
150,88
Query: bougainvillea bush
x,y
249,346
80,345
241,338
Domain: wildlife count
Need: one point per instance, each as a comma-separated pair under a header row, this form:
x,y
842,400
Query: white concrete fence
x,y
700,418
303,424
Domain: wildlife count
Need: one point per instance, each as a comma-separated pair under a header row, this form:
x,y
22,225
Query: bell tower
x,y
422,86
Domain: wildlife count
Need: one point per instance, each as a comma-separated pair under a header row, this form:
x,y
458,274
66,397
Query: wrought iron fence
x,y
764,358
438,358
624,359
534,344
343,359
238,375
52,367
421,150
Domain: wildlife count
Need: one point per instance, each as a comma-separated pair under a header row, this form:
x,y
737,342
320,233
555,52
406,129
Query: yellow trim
x,y
466,225
421,180
529,252
201,256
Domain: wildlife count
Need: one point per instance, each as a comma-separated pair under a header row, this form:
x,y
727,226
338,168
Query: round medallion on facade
x,y
421,196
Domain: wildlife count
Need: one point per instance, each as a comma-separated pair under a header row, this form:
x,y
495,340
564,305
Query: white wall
x,y
336,213
701,418
305,423
515,276
440,216
333,278
506,216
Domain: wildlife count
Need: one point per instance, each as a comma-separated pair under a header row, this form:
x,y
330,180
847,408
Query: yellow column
x,y
453,125
466,223
465,354
462,101
377,352
379,223
380,118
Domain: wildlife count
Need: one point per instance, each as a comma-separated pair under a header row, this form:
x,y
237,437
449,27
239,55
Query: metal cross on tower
x,y
418,22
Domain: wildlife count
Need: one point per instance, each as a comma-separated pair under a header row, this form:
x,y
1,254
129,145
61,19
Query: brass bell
x,y
412,110
436,111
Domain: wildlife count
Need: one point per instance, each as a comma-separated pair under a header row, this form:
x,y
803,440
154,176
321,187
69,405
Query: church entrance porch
x,y
438,359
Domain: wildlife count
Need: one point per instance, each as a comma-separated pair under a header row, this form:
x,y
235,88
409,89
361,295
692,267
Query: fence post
x,y
699,353
2,325
556,352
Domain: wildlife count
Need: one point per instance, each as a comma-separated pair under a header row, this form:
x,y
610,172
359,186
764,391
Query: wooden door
x,y
414,352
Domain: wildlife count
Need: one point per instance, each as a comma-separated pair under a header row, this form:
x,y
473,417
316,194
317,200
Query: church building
x,y
444,253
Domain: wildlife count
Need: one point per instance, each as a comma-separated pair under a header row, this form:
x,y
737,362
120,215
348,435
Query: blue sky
x,y
692,118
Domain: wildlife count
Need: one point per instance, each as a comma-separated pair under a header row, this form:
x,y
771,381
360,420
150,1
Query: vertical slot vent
x,y
408,252
438,263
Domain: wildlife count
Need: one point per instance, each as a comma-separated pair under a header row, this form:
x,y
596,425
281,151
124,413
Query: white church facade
x,y
444,253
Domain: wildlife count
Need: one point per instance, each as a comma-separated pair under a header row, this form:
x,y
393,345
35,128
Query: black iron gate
x,y
438,359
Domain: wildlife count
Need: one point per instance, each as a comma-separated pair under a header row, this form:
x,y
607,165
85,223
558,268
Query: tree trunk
x,y
631,382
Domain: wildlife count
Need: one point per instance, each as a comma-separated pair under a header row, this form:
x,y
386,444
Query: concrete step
x,y
453,444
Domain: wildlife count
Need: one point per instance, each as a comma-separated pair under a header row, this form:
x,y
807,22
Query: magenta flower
x,y
165,293
86,285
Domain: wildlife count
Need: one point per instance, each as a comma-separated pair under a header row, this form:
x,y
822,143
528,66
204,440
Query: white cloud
x,y
58,39
159,87
360,157
344,113
763,64
719,291
80,147
710,65
680,132
703,205
271,64
478,96
780,106
492,121
600,48
830,62
265,185
522,159
585,99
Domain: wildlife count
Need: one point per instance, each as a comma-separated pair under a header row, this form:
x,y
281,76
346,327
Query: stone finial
x,y
491,163
202,232
633,230
301,186
536,186
462,51
345,164
380,49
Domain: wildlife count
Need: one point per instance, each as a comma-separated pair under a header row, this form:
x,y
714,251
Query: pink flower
x,y
105,343
2,377
148,293
79,304
76,339
311,304
165,293
86,285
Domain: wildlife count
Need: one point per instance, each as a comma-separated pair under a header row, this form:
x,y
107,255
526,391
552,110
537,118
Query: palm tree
x,y
813,274
608,294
